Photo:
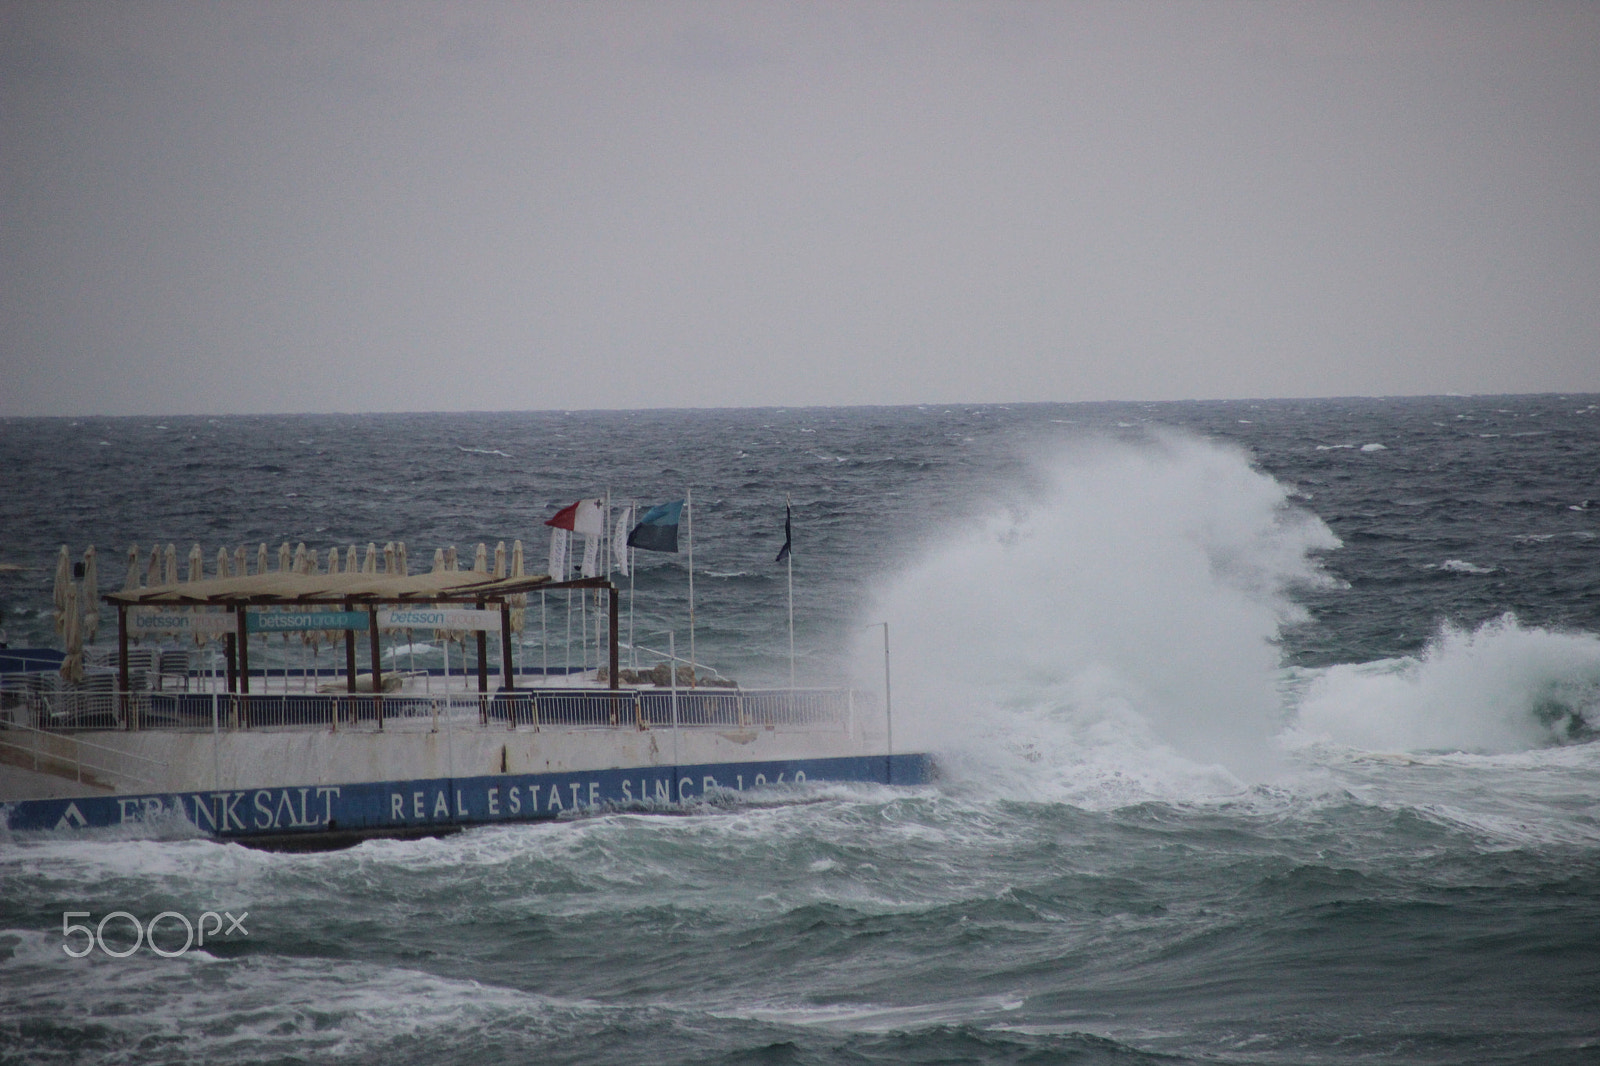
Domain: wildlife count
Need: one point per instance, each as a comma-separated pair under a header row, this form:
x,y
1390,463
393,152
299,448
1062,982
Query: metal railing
x,y
39,757
67,711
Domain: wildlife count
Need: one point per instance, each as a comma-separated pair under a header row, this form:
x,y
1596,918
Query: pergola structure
x,y
349,593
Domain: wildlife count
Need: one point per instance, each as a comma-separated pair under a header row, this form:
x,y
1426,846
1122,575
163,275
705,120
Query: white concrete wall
x,y
157,761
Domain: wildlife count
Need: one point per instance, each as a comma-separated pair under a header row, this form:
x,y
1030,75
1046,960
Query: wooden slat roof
x,y
335,589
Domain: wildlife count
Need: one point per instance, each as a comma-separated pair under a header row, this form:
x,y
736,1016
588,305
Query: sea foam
x,y
1501,687
1111,633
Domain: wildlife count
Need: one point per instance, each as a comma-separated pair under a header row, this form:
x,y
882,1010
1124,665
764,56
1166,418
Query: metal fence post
x,y
216,742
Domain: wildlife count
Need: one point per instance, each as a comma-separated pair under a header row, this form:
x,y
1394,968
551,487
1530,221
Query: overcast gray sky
x,y
273,206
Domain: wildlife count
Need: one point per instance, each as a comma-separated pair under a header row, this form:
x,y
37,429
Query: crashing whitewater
x,y
1113,637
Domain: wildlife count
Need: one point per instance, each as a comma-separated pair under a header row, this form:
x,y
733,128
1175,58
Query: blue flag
x,y
657,530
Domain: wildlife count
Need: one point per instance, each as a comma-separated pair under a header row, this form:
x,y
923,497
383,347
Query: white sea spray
x,y
1118,625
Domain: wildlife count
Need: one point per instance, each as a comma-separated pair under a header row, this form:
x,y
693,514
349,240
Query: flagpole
x,y
633,564
605,550
688,503
566,570
788,506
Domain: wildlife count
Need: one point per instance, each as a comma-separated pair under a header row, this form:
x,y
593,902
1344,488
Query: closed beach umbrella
x,y
241,561
171,560
89,606
351,565
333,636
390,562
519,601
306,563
223,563
480,559
62,587
369,565
261,558
285,558
500,560
72,665
400,559
438,560
197,572
152,573
132,580
450,558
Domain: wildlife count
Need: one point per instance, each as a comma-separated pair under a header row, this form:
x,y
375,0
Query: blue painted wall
x,y
441,802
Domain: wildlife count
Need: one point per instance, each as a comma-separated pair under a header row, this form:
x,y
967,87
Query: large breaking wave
x,y
1120,620
1113,637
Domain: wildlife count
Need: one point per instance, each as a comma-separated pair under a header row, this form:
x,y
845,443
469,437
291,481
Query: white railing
x,y
40,759
69,711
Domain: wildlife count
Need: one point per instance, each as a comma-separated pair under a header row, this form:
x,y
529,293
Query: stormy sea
x,y
1266,732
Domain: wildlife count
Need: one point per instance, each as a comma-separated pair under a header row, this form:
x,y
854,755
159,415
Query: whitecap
x,y
408,649
1498,688
1461,566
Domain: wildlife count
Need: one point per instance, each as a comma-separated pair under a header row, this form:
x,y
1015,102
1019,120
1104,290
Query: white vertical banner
x,y
559,539
619,540
591,555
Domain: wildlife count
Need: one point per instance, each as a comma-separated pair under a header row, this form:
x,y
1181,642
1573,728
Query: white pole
x,y
605,552
688,504
544,638
633,565
788,521
888,707
791,619
672,654
216,742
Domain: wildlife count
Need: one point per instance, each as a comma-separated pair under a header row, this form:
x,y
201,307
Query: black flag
x,y
788,537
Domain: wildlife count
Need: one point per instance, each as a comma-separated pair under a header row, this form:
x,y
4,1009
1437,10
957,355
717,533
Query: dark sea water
x,y
1267,732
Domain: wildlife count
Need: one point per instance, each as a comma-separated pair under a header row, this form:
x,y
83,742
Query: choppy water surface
x,y
1267,731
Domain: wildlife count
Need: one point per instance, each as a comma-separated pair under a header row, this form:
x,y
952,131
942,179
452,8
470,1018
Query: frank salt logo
x,y
144,934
